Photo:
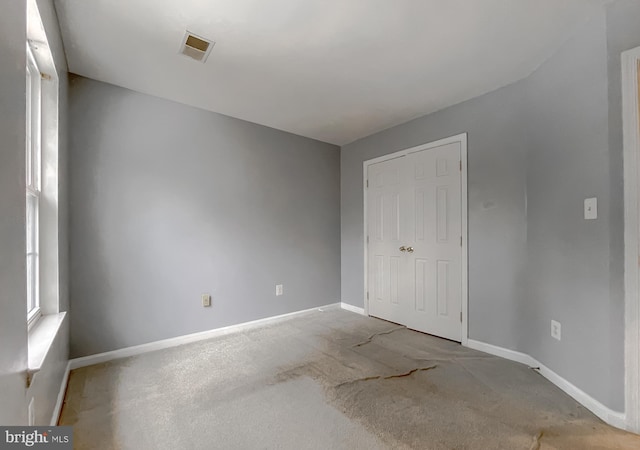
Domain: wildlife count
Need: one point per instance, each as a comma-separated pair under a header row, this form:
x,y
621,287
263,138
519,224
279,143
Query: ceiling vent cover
x,y
196,47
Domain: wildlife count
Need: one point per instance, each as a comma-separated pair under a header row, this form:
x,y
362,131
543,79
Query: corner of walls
x,y
351,285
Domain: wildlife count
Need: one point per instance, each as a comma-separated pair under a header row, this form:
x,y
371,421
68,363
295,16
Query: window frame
x,y
33,185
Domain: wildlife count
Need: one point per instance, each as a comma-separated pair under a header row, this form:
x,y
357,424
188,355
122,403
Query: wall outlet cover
x,y
206,300
279,289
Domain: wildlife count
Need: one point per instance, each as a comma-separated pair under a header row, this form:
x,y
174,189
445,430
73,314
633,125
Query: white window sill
x,y
41,337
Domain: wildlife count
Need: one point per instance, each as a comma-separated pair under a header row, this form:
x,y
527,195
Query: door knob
x,y
403,249
410,249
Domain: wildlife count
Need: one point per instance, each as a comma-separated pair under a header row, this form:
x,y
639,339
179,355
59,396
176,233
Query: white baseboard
x,y
502,352
614,418
352,308
63,390
186,339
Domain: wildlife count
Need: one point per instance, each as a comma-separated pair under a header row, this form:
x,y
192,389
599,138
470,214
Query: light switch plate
x,y
279,289
206,300
590,208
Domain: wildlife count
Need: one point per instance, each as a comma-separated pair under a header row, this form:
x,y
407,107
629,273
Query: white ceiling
x,y
333,70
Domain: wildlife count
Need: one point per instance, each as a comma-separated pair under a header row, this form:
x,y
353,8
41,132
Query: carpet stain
x,y
380,377
535,445
370,338
375,377
409,373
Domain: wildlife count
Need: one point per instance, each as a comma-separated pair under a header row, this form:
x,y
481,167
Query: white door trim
x,y
631,152
462,139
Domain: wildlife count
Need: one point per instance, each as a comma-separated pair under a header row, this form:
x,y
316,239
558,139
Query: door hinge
x,y
460,316
367,295
367,183
460,165
460,241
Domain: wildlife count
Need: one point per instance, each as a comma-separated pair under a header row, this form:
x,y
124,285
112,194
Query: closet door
x,y
435,233
414,249
387,205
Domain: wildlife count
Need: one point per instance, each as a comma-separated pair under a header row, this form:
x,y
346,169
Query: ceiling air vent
x,y
196,47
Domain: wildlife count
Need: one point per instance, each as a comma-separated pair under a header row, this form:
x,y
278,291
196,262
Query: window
x,y
33,155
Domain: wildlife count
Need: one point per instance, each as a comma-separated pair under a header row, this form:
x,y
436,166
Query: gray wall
x,y
45,386
169,202
537,149
13,327
567,256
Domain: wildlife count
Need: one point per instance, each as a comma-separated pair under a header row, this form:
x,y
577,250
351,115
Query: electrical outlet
x,y
32,412
206,300
279,289
556,330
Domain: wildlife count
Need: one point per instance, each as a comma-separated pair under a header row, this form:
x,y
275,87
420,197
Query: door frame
x,y
631,163
462,139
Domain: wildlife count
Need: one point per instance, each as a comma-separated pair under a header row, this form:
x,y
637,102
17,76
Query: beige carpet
x,y
326,380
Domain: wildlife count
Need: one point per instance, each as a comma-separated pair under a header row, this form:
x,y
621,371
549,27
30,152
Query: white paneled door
x,y
414,226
